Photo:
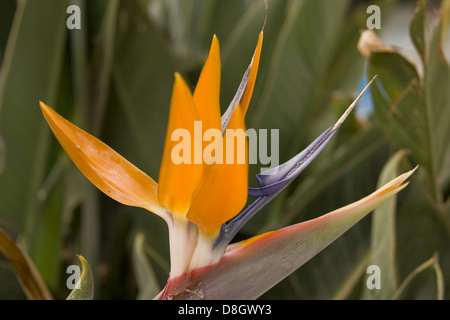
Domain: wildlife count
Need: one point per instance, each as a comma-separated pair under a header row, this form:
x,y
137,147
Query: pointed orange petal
x,y
254,65
207,91
181,163
222,191
104,167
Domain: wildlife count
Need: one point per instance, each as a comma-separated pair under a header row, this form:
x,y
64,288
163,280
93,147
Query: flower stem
x,y
183,237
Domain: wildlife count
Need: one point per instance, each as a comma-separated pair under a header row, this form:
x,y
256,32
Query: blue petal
x,y
272,185
236,99
275,179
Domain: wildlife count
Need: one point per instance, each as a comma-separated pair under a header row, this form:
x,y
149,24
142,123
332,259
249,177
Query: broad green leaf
x,y
84,287
188,24
420,232
437,104
47,239
417,29
142,80
265,260
414,111
192,23
383,238
20,92
145,275
397,98
31,71
423,283
27,274
102,61
224,18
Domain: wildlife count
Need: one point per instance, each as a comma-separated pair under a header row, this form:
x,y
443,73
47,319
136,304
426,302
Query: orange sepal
x,y
104,167
223,188
181,163
207,91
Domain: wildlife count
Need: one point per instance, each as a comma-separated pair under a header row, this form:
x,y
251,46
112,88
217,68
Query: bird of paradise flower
x,y
203,204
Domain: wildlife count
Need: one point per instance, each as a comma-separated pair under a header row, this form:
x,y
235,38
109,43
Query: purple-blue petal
x,y
272,182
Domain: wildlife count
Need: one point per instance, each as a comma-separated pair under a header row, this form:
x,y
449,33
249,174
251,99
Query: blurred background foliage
x,y
114,76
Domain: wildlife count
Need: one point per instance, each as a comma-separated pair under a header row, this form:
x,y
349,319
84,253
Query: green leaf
x,y
396,96
31,71
84,287
437,108
47,237
252,267
417,29
24,80
142,79
413,110
383,243
420,232
102,61
424,283
27,274
145,275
